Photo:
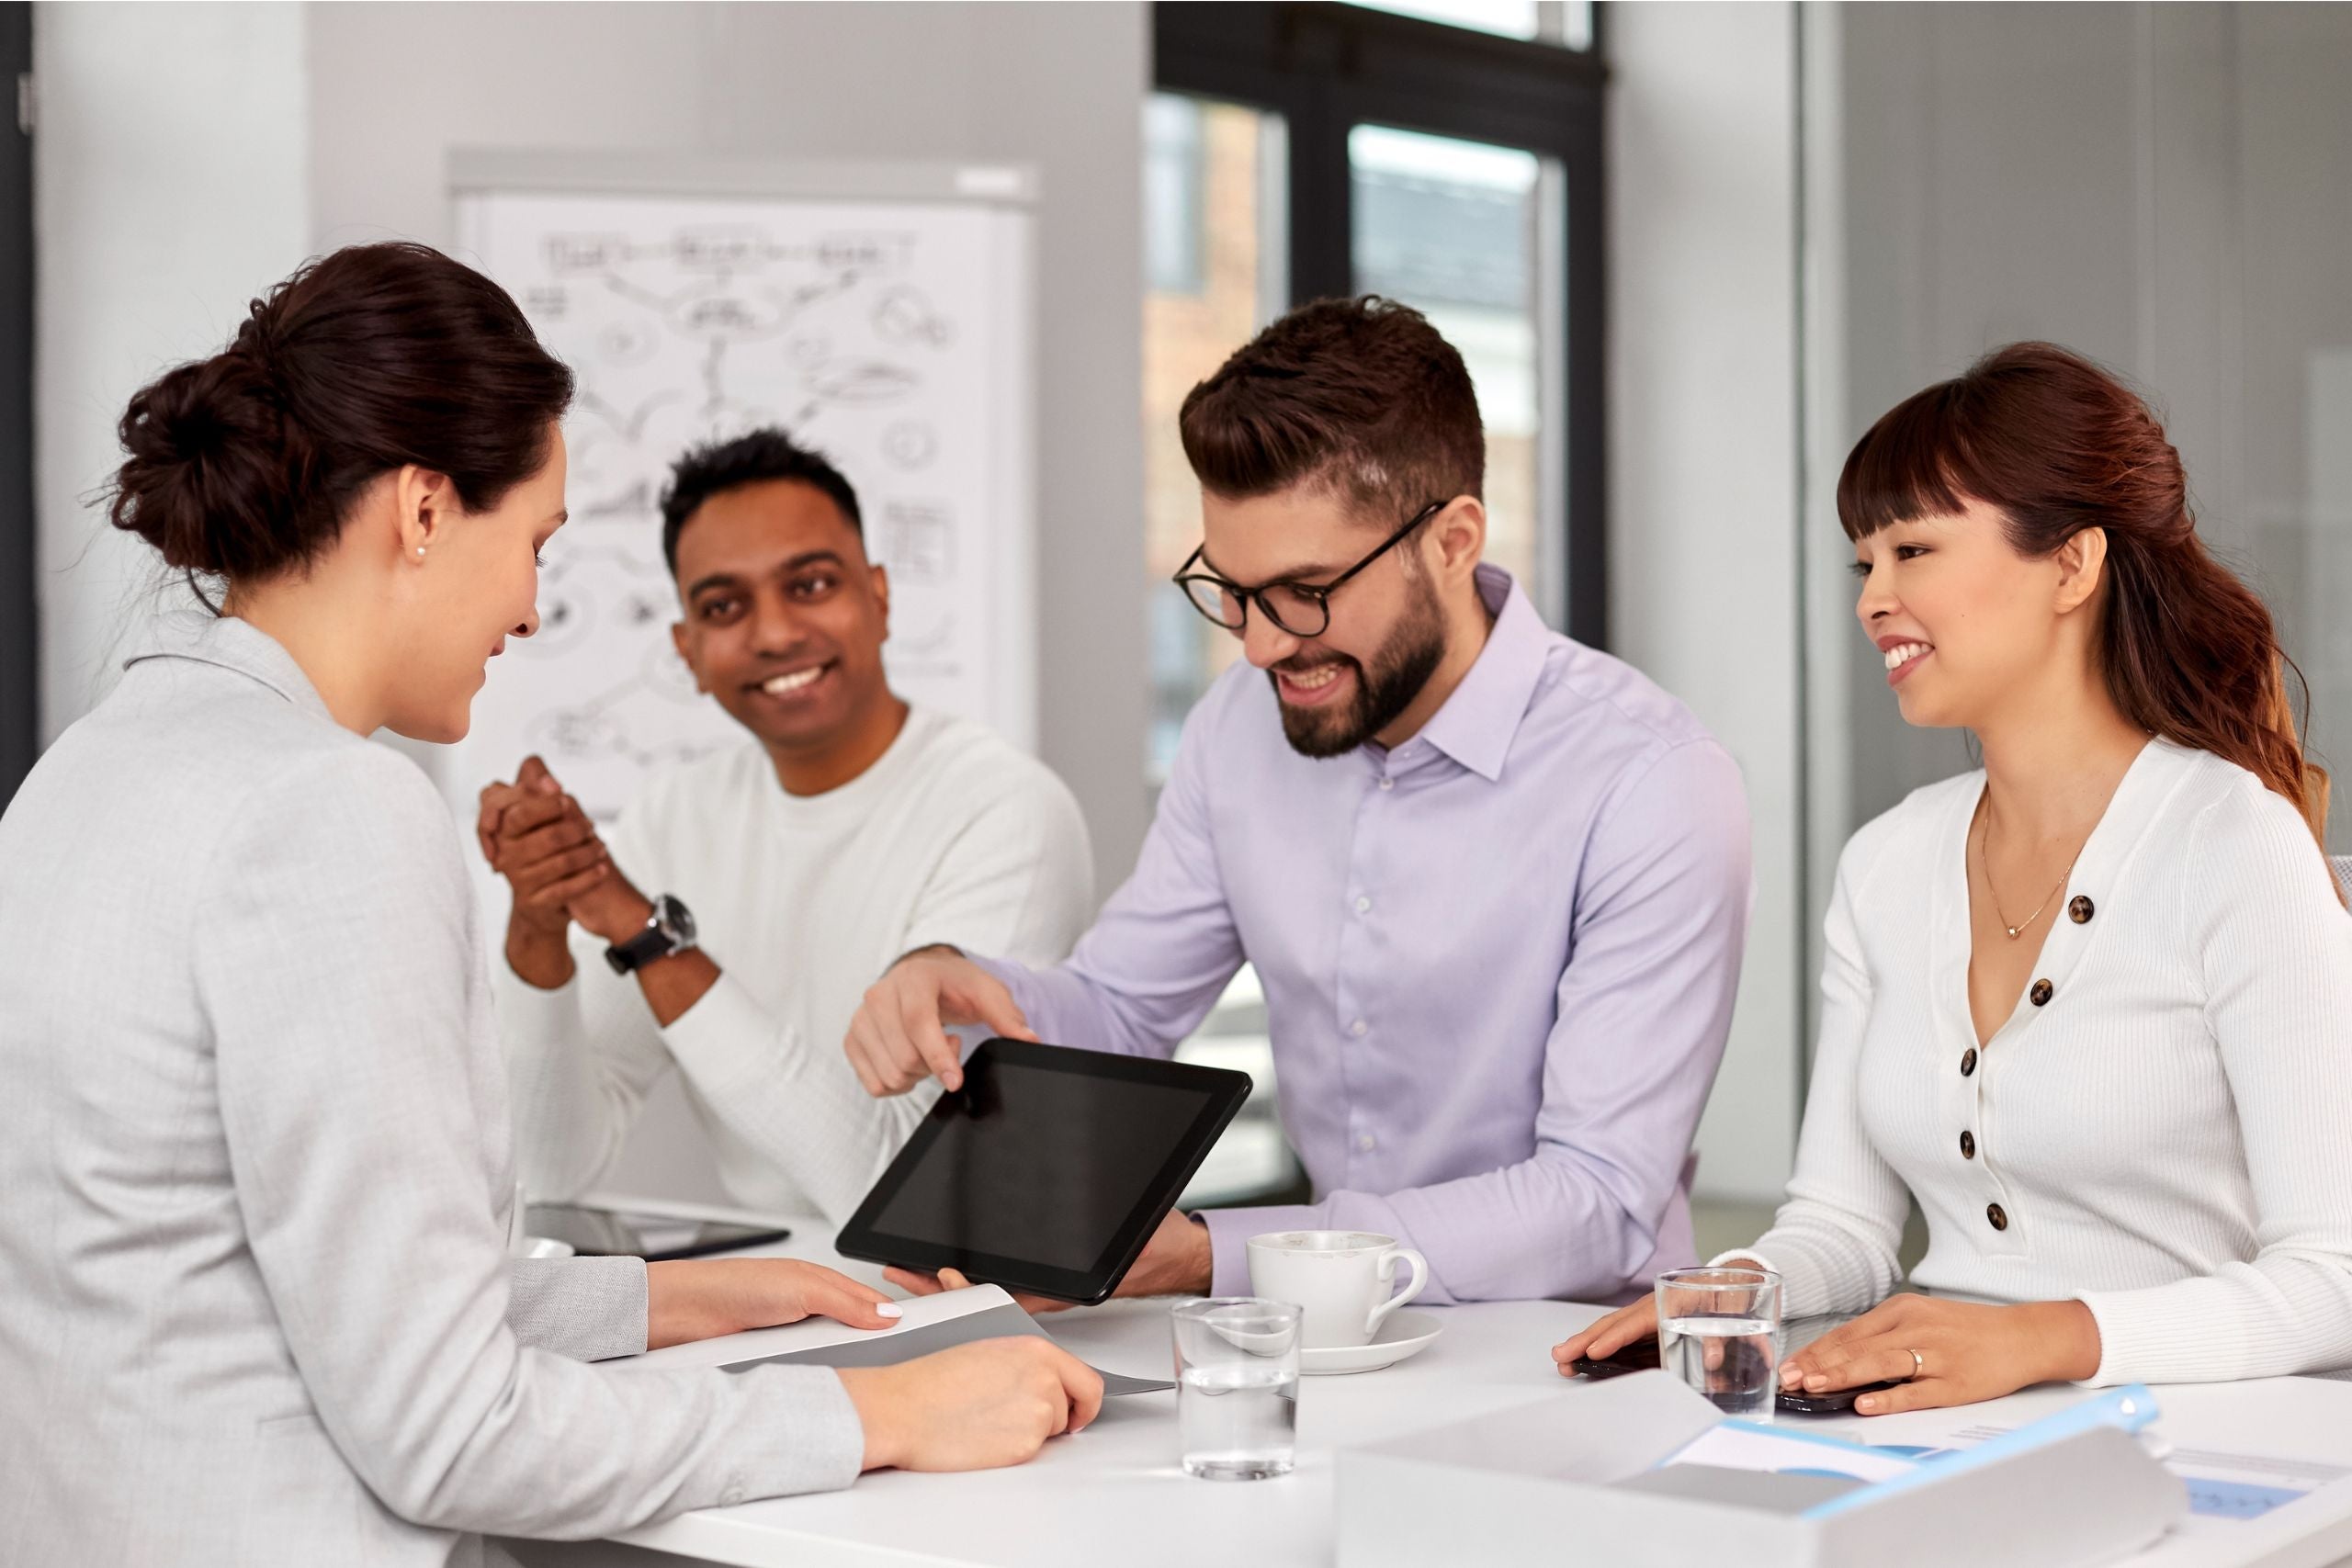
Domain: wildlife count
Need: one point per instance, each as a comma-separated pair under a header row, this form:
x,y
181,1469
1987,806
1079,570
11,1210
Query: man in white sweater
x,y
730,920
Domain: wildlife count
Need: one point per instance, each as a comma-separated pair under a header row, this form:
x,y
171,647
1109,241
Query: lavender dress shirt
x,y
1499,961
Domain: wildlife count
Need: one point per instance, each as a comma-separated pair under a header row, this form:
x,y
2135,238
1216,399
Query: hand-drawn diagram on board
x,y
876,332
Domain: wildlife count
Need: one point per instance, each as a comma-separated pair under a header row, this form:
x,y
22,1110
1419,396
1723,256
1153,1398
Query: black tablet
x,y
1048,1171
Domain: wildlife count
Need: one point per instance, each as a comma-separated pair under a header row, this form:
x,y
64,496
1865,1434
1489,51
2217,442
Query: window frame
x,y
1325,68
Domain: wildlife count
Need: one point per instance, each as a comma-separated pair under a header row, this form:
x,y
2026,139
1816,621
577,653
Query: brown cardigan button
x,y
1968,1146
2081,910
2041,993
1997,1217
1968,1061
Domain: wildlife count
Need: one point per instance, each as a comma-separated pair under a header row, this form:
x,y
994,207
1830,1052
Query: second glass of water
x,y
1718,1331
1236,1386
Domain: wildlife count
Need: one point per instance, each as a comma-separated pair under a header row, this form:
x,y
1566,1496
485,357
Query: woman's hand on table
x,y
1966,1352
697,1298
1630,1324
974,1407
1606,1335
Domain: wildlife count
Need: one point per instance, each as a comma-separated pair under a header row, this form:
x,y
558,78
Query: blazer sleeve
x,y
586,1308
356,1069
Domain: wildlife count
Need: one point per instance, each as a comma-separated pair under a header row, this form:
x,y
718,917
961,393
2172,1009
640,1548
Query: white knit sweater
x,y
952,836
2168,1138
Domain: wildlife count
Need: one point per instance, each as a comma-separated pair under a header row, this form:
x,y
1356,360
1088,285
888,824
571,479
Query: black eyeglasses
x,y
1302,609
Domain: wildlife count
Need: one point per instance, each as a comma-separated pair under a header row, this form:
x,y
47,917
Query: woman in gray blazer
x,y
254,1140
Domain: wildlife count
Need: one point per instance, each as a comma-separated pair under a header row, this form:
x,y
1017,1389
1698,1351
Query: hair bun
x,y
365,361
210,475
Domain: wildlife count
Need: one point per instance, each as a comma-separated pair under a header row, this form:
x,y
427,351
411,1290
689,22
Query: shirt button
x,y
1358,1027
1387,782
1996,1216
1363,905
2081,910
1968,1061
1968,1146
2041,993
1366,1142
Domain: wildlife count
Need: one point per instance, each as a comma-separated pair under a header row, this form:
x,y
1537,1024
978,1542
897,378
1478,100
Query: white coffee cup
x,y
1340,1279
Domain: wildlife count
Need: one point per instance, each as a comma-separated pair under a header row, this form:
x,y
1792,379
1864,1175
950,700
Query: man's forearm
x,y
676,983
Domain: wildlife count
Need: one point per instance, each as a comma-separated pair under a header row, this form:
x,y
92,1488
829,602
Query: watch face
x,y
676,921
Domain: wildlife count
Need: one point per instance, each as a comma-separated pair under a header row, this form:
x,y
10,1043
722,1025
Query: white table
x,y
1114,1493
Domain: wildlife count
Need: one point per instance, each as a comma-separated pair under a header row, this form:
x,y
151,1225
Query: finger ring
x,y
1919,1365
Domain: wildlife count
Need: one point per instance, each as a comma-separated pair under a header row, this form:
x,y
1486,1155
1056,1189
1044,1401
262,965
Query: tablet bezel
x,y
1227,1091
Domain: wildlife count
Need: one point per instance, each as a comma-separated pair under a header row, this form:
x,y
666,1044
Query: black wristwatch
x,y
671,929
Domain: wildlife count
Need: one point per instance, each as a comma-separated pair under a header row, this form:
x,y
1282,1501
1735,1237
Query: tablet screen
x,y
1048,1171
982,1187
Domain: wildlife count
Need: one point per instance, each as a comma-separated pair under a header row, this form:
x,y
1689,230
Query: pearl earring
x,y
420,550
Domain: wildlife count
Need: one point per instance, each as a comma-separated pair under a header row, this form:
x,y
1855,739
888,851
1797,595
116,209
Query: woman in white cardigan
x,y
2092,1005
254,1139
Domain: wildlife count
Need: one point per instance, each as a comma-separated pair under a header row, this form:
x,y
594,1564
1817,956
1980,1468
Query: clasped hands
x,y
543,843
1967,1351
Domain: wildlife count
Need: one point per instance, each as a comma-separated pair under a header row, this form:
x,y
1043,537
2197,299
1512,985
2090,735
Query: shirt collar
x,y
232,644
1481,717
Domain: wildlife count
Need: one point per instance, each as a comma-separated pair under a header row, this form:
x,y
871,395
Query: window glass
x,y
1544,21
1218,272
1458,230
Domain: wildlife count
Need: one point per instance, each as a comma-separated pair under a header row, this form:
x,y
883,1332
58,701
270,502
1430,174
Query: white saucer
x,y
1405,1334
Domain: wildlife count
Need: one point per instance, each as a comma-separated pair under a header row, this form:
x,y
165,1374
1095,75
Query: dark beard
x,y
1383,690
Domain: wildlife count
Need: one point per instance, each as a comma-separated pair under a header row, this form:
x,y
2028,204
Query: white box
x,y
1547,1484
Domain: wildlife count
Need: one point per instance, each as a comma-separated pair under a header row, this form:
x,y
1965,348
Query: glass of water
x,y
1718,1331
1236,1386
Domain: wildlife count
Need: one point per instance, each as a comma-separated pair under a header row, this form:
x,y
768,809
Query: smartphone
x,y
1642,1357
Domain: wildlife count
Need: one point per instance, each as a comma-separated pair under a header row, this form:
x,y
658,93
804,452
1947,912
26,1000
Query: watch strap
x,y
647,945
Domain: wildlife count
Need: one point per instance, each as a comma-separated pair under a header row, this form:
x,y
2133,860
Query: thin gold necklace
x,y
1984,863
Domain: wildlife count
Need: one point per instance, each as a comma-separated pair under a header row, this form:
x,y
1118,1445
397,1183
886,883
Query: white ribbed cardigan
x,y
2168,1138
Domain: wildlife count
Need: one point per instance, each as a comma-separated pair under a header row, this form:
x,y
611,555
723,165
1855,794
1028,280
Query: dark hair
x,y
2059,445
1362,395
365,360
750,459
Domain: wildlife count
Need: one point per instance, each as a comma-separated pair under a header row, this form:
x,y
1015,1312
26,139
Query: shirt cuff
x,y
1229,1234
532,1014
2164,1333
1013,978
1748,1254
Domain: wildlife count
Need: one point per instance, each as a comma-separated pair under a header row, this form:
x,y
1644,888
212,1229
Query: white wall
x,y
2161,186
1703,562
169,189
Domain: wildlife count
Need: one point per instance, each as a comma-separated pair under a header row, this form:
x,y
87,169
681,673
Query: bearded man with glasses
x,y
1495,883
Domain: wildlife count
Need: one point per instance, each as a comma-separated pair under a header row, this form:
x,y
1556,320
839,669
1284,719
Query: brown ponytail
x,y
2059,445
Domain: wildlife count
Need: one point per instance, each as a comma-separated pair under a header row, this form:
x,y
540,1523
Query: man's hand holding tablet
x,y
1049,1171
1176,1261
